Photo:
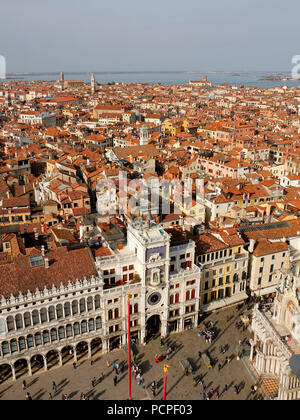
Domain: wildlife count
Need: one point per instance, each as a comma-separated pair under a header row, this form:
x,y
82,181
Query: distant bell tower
x,y
7,97
93,83
62,81
144,135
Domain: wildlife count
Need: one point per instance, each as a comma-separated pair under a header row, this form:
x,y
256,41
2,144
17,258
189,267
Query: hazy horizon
x,y
222,35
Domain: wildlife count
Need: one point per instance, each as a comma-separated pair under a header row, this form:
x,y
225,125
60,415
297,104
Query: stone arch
x,y
67,309
38,339
30,341
84,327
37,363
22,343
74,307
53,335
153,326
10,323
14,348
19,321
5,372
81,349
51,313
27,319
59,311
35,317
69,331
91,324
96,346
97,302
82,305
5,349
90,304
67,354
21,368
43,315
46,337
52,358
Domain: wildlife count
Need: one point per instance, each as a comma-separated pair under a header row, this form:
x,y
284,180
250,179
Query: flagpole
x,y
129,346
166,367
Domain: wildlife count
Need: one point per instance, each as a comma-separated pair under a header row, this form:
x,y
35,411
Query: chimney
x,y
36,235
46,262
251,246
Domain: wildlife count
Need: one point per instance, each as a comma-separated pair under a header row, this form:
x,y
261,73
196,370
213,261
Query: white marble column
x,y
45,364
105,346
13,371
29,368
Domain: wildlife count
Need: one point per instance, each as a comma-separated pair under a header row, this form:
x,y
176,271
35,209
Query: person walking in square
x,y
54,386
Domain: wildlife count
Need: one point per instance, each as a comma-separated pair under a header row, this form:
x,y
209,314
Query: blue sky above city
x,y
161,35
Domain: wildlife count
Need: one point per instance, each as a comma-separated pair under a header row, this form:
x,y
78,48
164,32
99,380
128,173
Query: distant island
x,y
276,78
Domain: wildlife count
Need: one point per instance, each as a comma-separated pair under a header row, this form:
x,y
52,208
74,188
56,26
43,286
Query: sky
x,y
156,35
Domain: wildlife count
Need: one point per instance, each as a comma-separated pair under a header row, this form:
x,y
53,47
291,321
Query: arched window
x,y
59,311
43,315
116,313
38,339
30,342
61,333
67,309
76,329
35,317
90,303
136,308
13,346
74,307
98,323
82,305
130,309
91,325
46,337
22,344
177,298
10,323
187,297
53,335
51,313
110,314
5,348
171,299
193,294
27,319
235,277
244,275
69,331
19,322
97,302
83,327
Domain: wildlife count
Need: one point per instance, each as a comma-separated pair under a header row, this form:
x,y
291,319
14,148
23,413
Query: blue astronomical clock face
x,y
154,299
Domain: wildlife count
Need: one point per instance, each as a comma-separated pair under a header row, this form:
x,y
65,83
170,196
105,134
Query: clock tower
x,y
151,245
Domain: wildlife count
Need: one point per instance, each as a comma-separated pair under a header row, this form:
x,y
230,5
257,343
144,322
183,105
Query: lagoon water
x,y
166,78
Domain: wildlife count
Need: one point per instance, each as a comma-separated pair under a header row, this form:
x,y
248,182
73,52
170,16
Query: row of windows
x,y
52,313
51,336
221,293
190,294
216,255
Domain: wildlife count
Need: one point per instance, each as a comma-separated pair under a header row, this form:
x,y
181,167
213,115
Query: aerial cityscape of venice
x,y
149,203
